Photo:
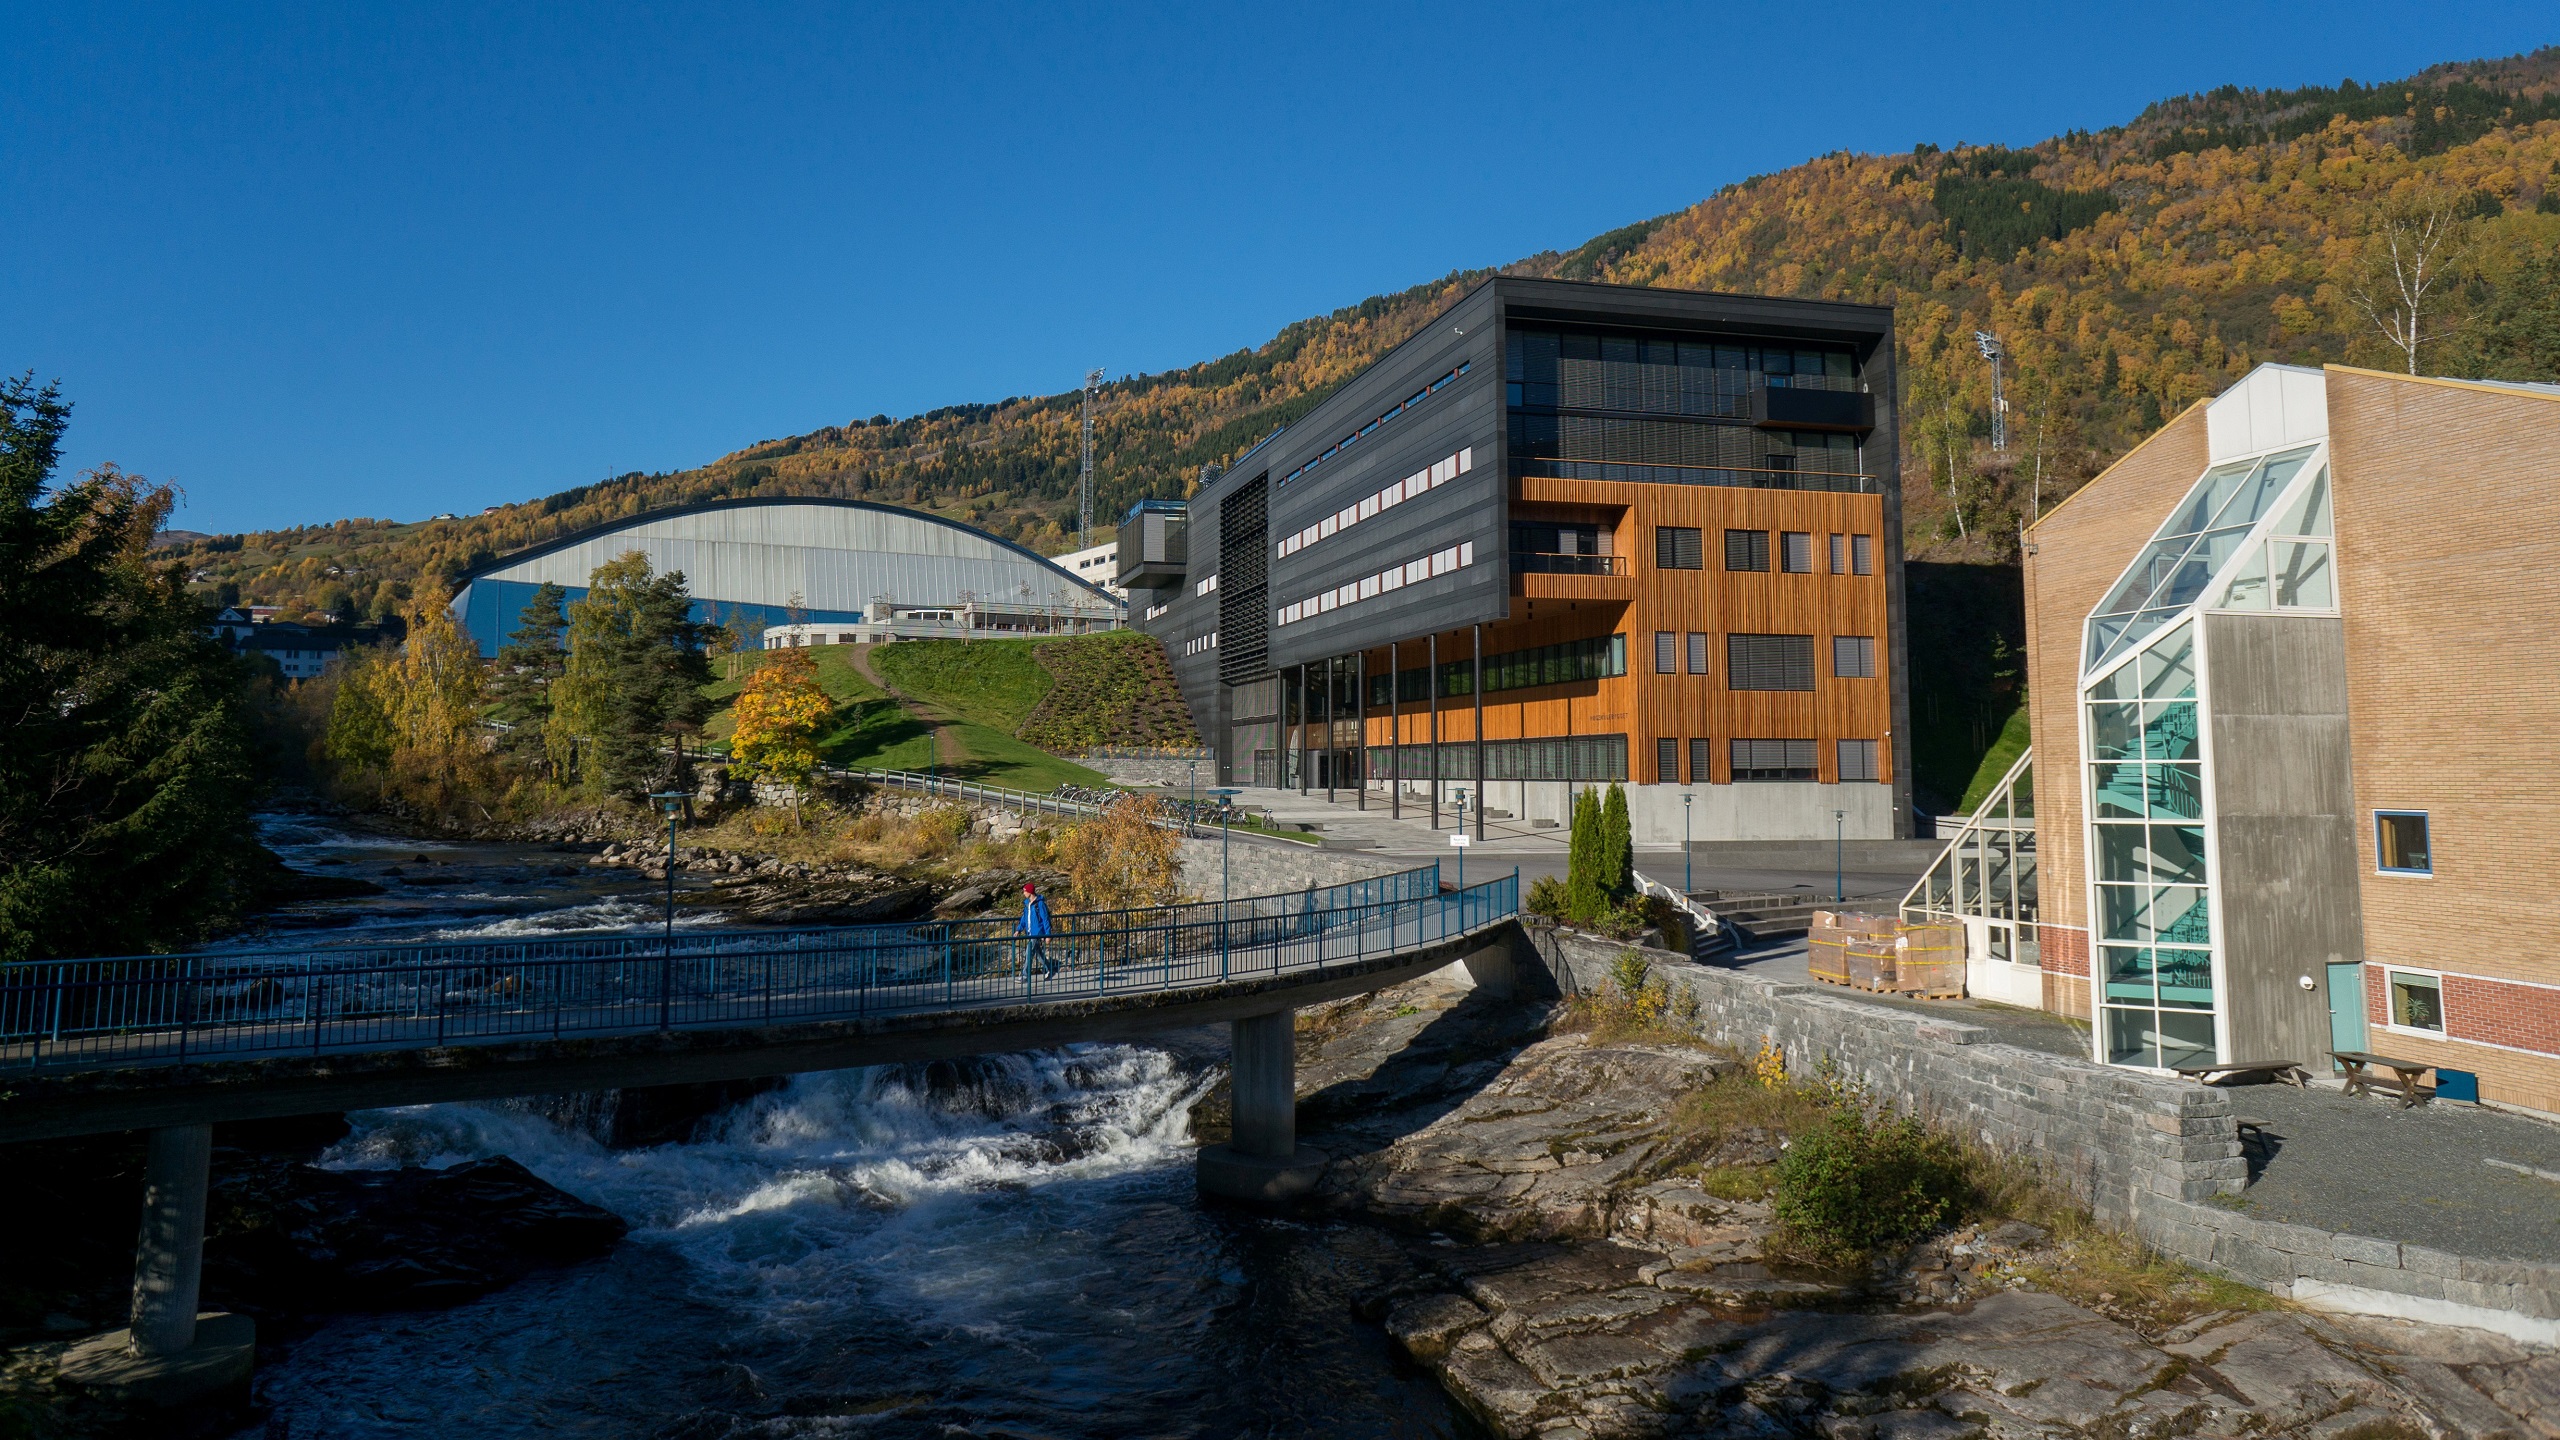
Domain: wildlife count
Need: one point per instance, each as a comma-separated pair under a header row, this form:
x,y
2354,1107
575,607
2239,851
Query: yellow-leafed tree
x,y
778,715
1122,858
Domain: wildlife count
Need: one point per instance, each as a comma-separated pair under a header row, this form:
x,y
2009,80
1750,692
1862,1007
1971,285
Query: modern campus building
x,y
1565,534
834,566
2292,664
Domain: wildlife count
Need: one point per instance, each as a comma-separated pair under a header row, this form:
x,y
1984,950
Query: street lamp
x,y
1840,858
671,803
1688,879
1460,839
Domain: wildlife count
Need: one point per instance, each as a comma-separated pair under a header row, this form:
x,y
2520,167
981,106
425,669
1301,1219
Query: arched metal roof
x,y
827,557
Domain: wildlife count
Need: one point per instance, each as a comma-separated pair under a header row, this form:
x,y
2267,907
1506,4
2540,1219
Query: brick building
x,y
2291,665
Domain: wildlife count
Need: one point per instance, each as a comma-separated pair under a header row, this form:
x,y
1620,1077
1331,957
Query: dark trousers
x,y
1037,953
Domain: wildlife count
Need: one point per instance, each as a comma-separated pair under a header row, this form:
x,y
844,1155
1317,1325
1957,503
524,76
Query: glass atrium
x,y
2252,535
1987,879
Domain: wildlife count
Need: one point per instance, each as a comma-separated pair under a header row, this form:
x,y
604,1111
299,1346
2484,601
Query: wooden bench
x,y
2361,1080
2288,1071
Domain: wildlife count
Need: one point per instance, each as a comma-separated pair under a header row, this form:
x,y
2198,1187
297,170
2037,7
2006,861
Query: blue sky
x,y
312,262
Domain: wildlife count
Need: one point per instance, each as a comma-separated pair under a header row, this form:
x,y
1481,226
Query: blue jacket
x,y
1035,916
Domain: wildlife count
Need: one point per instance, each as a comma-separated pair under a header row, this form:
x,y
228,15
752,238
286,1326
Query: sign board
x,y
1460,841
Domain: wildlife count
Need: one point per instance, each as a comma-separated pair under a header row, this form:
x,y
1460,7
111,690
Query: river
x,y
1009,1247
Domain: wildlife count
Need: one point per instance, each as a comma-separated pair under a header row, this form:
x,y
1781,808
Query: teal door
x,y
2346,1007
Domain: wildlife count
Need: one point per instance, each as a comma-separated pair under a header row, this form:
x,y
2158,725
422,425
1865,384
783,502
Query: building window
x,y
1795,552
1666,762
1857,760
1746,549
1862,554
1768,662
2417,1001
1697,652
1756,760
1679,547
1853,657
1702,761
2400,842
1839,554
1666,652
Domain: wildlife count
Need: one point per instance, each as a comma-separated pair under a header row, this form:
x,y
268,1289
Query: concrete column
x,y
1265,1084
1262,1163
168,1257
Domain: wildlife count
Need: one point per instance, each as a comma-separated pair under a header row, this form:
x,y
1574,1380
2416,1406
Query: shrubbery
x,y
1858,1183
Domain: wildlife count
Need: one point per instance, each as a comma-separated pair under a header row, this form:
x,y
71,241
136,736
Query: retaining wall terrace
x,y
2145,1154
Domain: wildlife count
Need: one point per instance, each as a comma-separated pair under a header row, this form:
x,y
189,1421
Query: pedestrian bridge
x,y
173,1043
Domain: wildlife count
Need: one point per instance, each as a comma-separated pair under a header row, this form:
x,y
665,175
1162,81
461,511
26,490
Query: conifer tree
x,y
1617,851
630,687
1585,894
527,667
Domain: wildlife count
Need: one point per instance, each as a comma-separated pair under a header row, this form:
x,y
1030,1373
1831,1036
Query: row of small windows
x,y
1764,662
1400,407
1759,761
1683,547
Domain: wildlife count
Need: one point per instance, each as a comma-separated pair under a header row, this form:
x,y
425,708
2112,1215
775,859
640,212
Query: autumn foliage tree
x,y
1123,858
778,716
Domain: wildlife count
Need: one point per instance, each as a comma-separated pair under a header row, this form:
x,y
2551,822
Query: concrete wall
x,y
2284,842
1761,811
2448,529
2073,556
1265,867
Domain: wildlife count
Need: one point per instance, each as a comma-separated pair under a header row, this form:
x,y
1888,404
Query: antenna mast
x,y
1989,344
1084,486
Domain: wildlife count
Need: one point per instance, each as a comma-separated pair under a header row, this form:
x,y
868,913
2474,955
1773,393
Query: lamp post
x,y
1840,858
1459,839
672,802
1688,879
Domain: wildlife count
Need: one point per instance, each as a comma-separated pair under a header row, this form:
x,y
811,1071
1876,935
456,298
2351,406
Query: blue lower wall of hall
x,y
492,609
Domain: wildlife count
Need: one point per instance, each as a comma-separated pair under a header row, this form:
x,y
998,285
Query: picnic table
x,y
2362,1081
2288,1071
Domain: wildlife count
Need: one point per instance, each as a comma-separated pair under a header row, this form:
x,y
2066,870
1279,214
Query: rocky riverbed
x,y
1590,1258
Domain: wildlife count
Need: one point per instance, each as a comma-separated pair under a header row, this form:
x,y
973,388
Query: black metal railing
x,y
1539,562
72,1015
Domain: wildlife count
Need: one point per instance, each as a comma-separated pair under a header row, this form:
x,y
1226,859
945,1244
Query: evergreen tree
x,y
527,667
630,686
1617,851
1586,896
125,772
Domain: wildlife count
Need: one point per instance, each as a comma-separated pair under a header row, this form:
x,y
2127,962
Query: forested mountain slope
x,y
2129,271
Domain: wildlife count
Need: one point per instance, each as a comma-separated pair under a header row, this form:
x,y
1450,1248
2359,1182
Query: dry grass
x,y
933,842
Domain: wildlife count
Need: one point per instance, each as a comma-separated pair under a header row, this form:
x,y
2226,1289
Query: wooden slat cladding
x,y
1646,706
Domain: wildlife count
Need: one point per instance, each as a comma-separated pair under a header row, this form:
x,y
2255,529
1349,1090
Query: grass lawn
x,y
2004,753
993,683
868,728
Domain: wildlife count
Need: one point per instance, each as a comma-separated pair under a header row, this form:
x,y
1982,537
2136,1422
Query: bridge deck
x,y
103,1044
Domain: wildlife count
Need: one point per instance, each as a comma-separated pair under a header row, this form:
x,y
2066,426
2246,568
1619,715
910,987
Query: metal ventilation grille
x,y
1244,589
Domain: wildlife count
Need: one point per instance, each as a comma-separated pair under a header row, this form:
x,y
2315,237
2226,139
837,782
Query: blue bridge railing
x,y
73,1015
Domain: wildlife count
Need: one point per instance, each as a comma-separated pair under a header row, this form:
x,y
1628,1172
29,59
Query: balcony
x,y
1801,407
1539,575
1154,546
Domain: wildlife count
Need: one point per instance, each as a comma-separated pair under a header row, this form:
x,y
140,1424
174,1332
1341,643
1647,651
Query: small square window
x,y
1666,652
2417,1001
1679,547
1862,554
1857,760
1746,549
1796,552
1853,657
2400,842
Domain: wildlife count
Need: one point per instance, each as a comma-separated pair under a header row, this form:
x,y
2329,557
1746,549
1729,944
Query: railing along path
x,y
73,1015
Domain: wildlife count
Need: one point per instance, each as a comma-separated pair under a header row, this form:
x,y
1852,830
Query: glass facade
x,y
2252,534
1591,406
1986,878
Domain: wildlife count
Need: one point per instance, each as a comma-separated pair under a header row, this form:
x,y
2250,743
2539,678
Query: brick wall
x,y
2515,1017
2448,530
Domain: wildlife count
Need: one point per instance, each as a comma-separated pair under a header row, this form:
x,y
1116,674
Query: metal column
x,y
1332,739
1479,689
1395,736
1435,731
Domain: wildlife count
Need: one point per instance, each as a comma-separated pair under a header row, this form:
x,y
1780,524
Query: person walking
x,y
1035,924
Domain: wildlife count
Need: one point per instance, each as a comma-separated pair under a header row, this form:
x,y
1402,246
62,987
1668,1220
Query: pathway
x,y
946,745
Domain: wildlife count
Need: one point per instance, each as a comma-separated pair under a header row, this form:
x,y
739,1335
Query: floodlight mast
x,y
1084,484
1989,345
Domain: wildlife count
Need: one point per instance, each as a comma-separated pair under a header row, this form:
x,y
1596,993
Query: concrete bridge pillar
x,y
1262,1163
168,1258
170,1355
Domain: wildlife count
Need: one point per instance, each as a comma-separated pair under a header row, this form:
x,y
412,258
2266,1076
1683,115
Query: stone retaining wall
x,y
1265,867
2143,1153
2102,1134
